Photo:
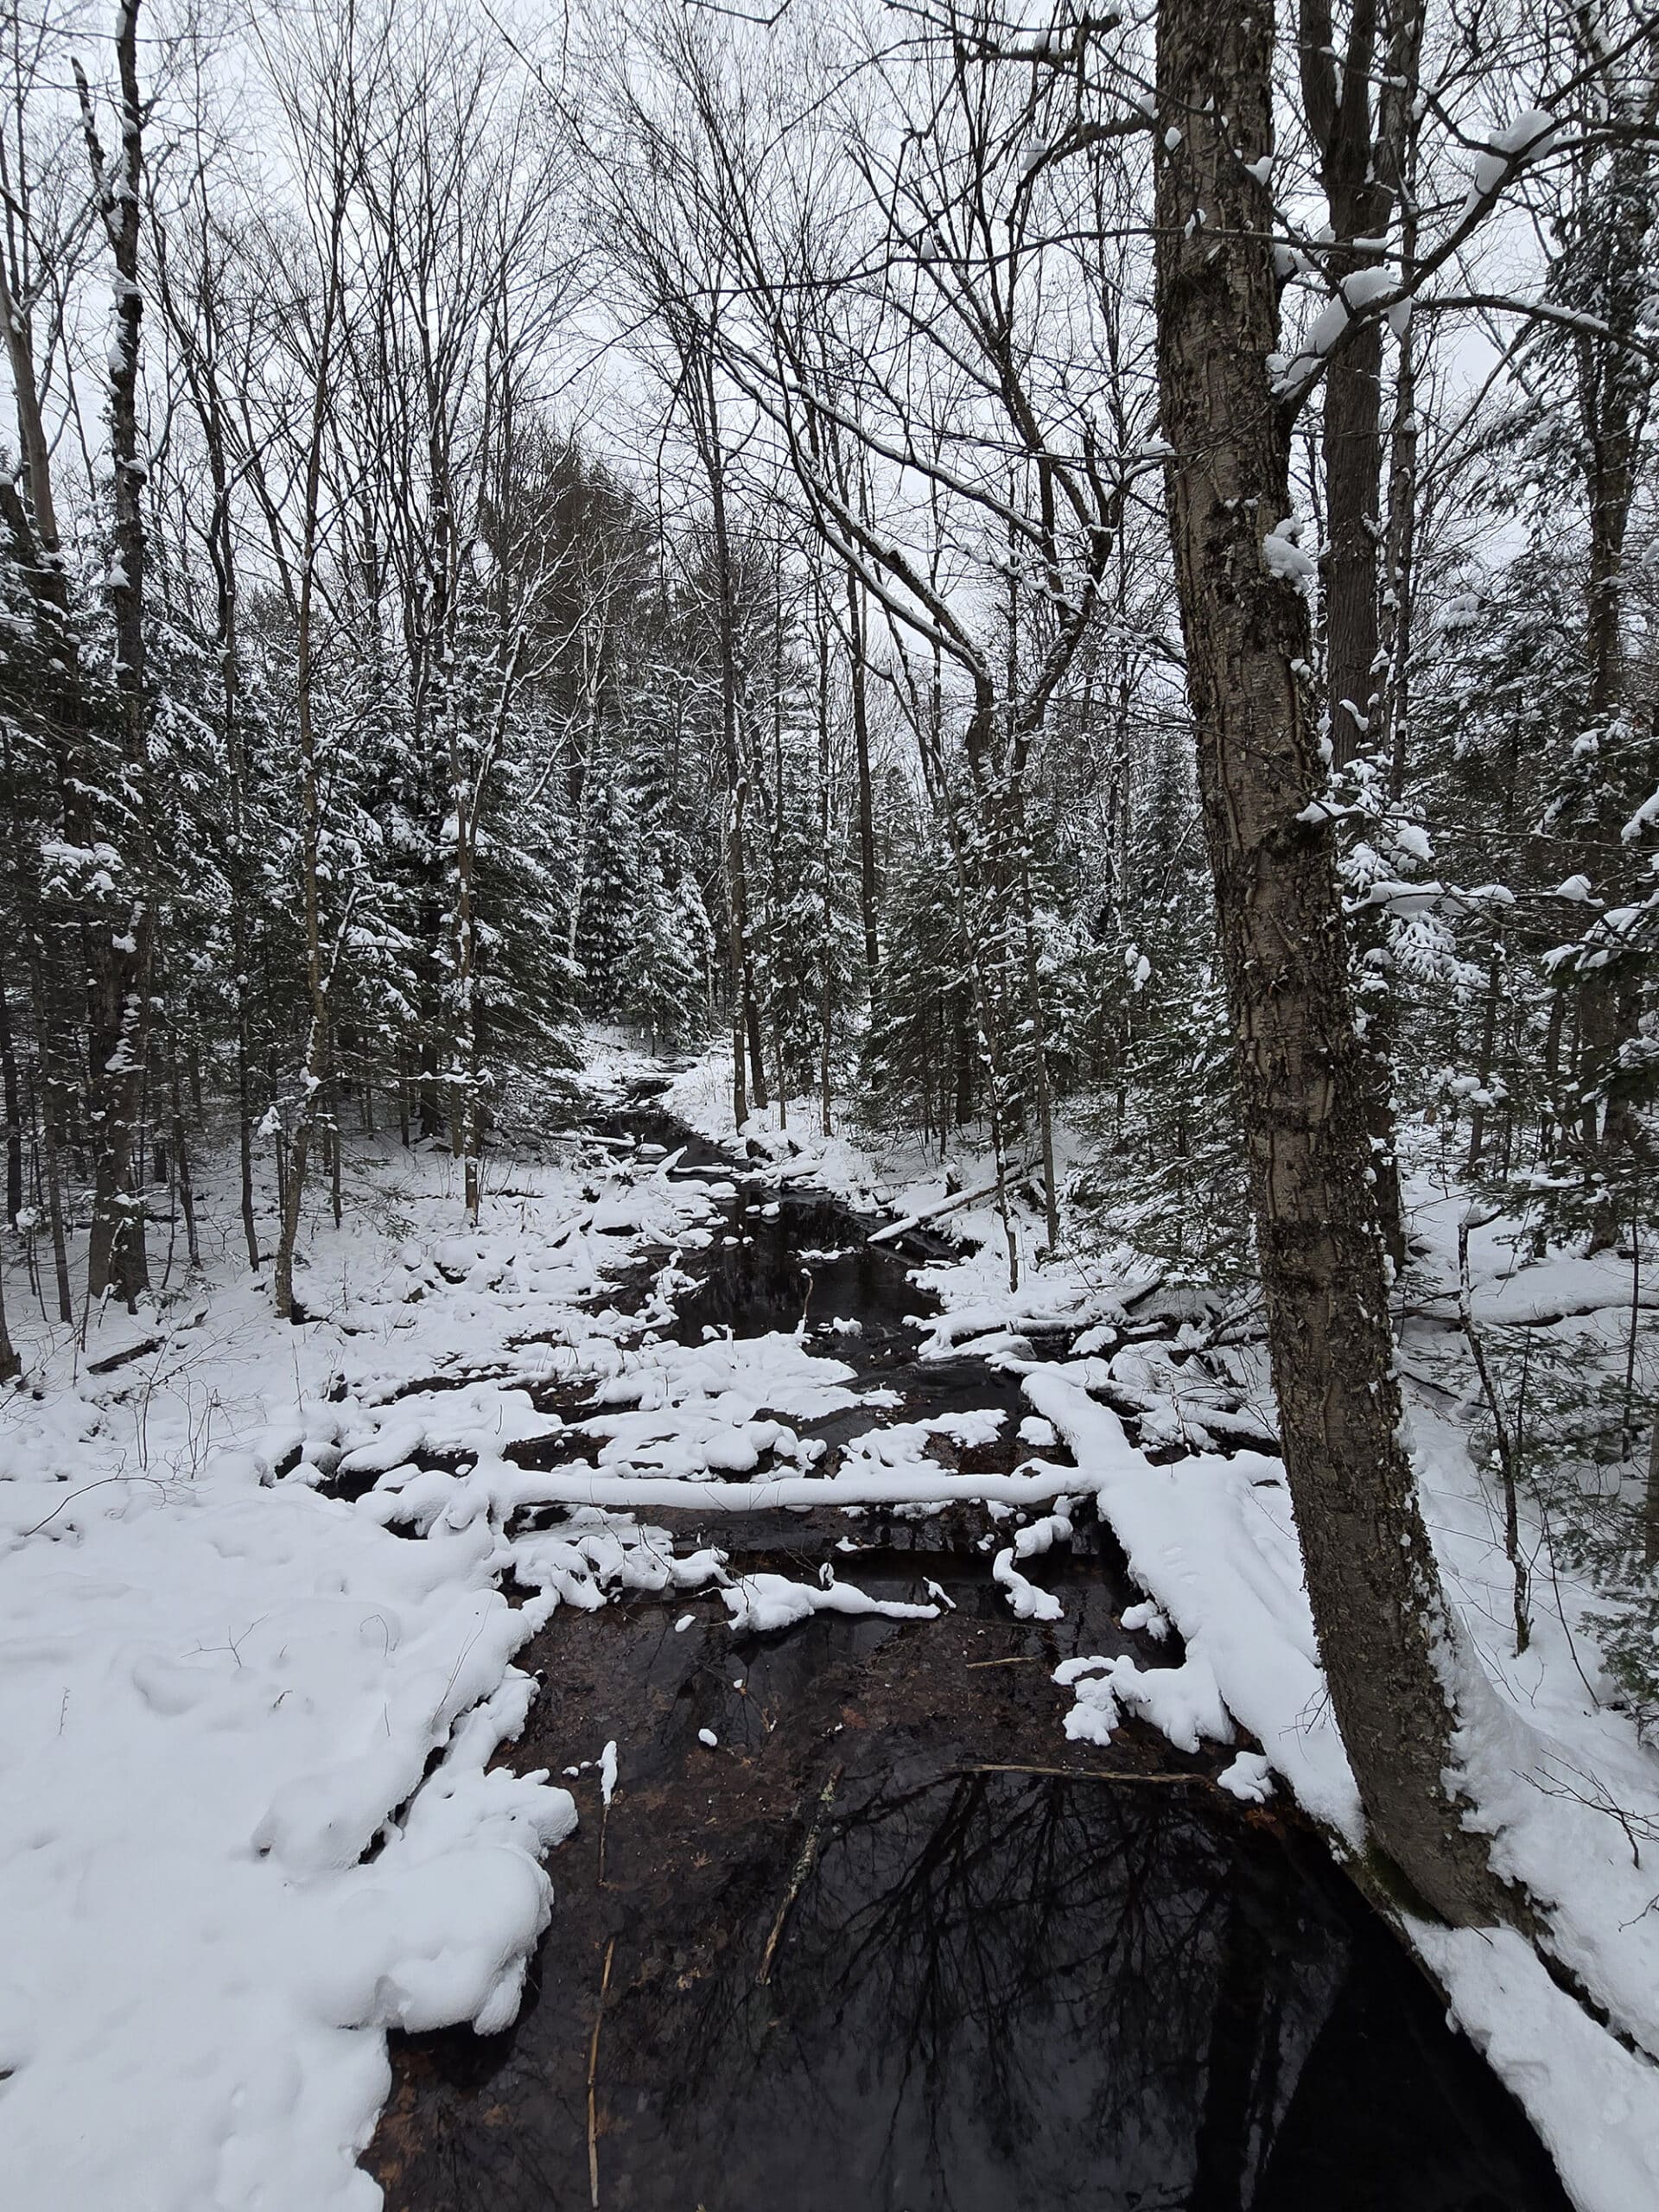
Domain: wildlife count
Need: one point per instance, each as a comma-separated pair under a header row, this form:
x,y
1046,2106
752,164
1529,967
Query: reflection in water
x,y
764,1282
1000,1992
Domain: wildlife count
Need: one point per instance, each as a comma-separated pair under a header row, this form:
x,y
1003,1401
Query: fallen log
x,y
919,1219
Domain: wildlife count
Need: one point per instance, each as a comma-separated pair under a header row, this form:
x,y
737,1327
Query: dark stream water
x,y
892,1944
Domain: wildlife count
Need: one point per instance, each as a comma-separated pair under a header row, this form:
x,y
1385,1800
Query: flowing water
x,y
892,1943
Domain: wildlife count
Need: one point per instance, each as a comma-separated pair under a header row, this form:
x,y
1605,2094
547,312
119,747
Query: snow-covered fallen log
x,y
909,1486
953,1204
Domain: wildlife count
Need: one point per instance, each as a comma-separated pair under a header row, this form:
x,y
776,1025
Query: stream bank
x,y
890,1940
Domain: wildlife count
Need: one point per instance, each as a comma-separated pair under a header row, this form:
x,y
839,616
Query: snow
x,y
1529,138
1213,1543
760,1603
921,1482
1029,1603
1592,2102
1249,1778
256,1812
1183,1703
214,1696
1282,555
252,1816
1147,1619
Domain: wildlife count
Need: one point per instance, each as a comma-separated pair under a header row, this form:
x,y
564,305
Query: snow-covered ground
x,y
250,1819
257,1658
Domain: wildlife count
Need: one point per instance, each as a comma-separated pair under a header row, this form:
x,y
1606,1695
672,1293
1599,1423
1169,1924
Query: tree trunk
x,y
757,1051
858,676
14,1110
318,979
221,546
1359,173
1487,1053
245,1140
826,911
186,1189
51,1097
10,1366
961,1057
1036,1014
1613,407
119,984
1389,1647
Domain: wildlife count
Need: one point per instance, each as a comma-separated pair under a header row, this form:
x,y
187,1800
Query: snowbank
x,y
215,1698
251,1820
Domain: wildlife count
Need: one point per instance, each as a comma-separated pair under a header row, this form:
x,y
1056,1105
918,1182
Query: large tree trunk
x,y
1388,1646
221,546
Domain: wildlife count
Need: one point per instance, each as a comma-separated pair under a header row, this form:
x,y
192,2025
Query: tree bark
x,y
1390,1648
119,1010
318,976
9,1089
186,1189
10,1366
1361,161
746,1013
858,676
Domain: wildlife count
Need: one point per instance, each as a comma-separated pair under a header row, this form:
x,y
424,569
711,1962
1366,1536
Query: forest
x,y
711,714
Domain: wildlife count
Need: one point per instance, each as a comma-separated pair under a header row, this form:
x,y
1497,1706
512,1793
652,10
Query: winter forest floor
x,y
657,1702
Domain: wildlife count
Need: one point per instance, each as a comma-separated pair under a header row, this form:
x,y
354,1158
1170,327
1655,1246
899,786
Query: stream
x,y
890,1942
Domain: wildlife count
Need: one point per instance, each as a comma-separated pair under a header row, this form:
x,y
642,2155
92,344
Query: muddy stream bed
x,y
892,1944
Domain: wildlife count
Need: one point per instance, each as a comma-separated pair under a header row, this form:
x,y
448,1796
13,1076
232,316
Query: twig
x,y
82,1492
593,2077
803,1865
1087,1774
1598,1798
